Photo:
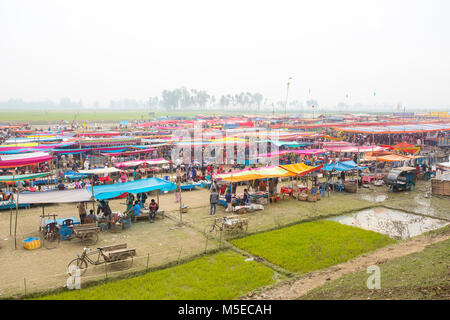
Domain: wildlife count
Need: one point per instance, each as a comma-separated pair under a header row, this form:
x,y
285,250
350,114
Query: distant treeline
x,y
170,100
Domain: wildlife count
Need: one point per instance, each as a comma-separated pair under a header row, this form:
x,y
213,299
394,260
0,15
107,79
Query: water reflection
x,y
391,222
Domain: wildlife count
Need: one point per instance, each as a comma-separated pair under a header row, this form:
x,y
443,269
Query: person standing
x,y
228,199
142,197
81,211
130,200
213,199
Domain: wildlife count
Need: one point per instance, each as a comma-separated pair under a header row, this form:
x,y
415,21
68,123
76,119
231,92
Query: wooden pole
x,y
15,223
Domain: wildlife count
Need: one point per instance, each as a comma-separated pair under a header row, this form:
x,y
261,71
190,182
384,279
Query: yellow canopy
x,y
290,170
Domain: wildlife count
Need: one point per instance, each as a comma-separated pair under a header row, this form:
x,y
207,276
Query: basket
x,y
31,243
312,198
350,187
184,209
241,211
440,187
116,227
318,196
302,197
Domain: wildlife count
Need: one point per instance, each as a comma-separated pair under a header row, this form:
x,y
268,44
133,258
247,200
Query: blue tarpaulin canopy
x,y
110,191
342,166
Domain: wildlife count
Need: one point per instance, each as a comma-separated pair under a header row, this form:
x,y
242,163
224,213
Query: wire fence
x,y
171,256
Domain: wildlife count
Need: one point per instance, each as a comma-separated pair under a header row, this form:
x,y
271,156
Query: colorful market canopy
x,y
23,159
390,157
388,129
280,153
443,165
342,166
99,170
359,149
110,191
116,154
266,172
23,177
140,162
299,169
59,196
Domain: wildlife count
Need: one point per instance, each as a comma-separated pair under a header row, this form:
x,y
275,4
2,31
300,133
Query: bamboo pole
x,y
15,223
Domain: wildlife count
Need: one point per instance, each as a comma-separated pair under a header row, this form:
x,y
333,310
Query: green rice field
x,y
311,246
225,275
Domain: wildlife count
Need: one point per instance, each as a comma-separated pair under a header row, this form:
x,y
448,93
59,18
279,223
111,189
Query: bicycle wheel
x,y
51,240
80,263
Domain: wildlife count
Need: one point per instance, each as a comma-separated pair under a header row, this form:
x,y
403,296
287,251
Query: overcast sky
x,y
102,50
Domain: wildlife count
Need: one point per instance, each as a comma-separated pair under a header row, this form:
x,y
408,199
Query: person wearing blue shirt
x,y
228,198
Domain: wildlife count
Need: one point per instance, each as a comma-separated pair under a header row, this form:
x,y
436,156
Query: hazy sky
x,y
102,50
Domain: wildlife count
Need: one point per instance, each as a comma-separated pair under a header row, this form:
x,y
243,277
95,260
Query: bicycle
x,y
118,253
50,232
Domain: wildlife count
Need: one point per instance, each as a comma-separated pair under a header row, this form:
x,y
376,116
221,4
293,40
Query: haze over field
x,y
373,53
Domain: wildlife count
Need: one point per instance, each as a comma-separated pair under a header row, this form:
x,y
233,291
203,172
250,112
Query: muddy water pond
x,y
394,223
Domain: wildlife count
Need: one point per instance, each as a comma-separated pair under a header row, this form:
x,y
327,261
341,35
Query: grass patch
x,y
311,246
421,275
224,275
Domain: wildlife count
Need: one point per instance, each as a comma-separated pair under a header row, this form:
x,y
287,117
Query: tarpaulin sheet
x,y
9,161
266,172
355,149
342,166
22,177
407,128
59,196
280,153
390,158
99,170
110,191
140,162
128,152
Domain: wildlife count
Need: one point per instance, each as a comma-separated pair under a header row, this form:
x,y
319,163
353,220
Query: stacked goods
x,y
350,187
302,197
440,187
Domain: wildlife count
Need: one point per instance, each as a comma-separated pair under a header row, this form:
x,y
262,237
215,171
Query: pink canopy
x,y
355,149
305,151
12,161
140,162
127,152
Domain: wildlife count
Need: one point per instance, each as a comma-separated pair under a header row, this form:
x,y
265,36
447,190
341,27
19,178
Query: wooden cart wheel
x,y
80,263
51,240
89,238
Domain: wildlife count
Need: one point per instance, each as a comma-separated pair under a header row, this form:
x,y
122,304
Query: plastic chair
x,y
50,227
67,222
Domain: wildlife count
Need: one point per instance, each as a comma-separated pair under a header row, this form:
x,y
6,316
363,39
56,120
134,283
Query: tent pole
x,y
10,216
15,224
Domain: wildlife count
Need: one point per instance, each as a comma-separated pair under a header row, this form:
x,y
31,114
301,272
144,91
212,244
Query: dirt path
x,y
303,284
